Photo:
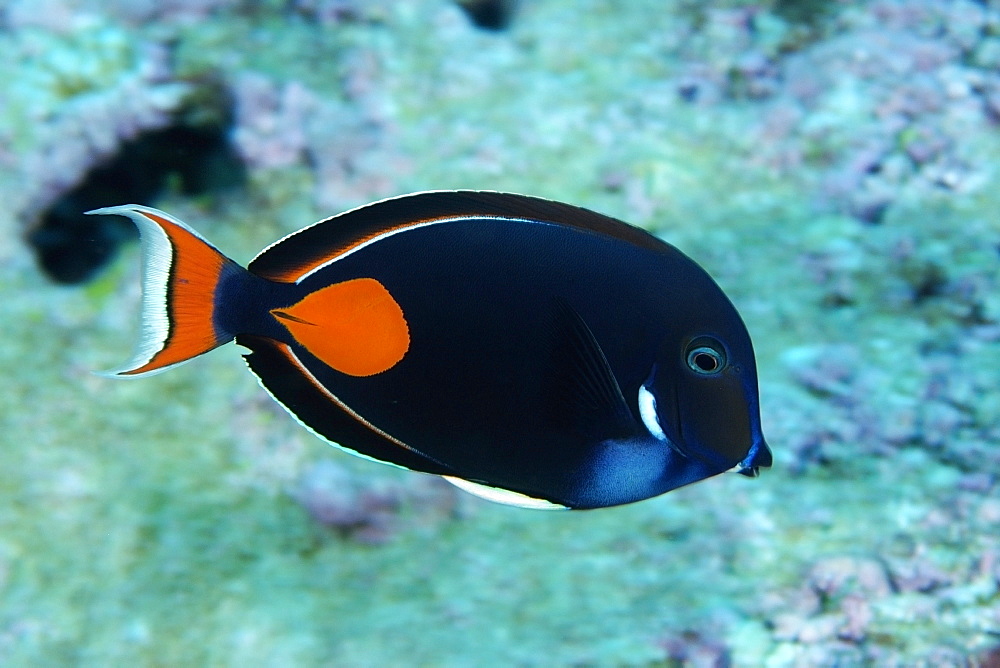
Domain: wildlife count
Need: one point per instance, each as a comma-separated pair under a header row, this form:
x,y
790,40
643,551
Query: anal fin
x,y
504,496
286,378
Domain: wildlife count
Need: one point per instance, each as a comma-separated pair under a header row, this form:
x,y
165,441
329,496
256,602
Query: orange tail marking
x,y
191,293
356,326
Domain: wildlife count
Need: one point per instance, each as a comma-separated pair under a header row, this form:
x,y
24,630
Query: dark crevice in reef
x,y
193,154
493,15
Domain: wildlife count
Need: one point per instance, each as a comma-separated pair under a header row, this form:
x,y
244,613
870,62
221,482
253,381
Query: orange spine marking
x,y
291,356
180,274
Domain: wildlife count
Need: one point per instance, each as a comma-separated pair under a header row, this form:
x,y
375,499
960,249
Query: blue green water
x,y
835,170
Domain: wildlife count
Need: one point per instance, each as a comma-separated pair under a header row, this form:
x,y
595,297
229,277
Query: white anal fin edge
x,y
504,496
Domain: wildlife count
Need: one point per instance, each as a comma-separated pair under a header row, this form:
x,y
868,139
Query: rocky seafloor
x,y
833,164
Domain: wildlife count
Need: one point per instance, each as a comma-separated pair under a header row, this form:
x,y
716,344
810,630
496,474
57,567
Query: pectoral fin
x,y
585,391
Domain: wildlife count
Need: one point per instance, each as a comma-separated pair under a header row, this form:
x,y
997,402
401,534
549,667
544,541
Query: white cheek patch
x,y
647,411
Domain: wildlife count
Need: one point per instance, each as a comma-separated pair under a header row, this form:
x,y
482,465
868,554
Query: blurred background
x,y
833,164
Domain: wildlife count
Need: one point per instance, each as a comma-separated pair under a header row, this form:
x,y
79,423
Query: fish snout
x,y
758,457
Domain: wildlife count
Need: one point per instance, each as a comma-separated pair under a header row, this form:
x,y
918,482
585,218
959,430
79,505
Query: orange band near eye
x,y
356,327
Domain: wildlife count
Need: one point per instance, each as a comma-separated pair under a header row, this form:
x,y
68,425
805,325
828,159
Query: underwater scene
x,y
833,165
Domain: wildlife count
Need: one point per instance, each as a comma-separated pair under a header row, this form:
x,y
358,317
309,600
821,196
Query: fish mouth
x,y
758,457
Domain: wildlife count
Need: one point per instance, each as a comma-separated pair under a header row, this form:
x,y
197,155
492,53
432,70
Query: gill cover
x,y
703,403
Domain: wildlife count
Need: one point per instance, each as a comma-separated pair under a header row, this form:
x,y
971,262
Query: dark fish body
x,y
529,351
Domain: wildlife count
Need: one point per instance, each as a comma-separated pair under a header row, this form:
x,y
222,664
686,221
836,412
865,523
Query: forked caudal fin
x,y
180,275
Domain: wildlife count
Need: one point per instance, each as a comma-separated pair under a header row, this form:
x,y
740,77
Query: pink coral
x,y
279,124
692,648
180,11
88,129
270,120
894,80
369,511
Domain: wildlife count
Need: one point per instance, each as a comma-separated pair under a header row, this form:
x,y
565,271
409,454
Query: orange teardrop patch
x,y
356,326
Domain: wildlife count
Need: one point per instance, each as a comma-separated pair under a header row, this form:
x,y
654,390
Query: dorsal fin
x,y
298,254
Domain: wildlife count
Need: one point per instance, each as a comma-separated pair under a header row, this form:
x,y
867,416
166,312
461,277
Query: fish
x,y
531,352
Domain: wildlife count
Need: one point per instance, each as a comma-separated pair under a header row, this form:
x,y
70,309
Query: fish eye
x,y
706,357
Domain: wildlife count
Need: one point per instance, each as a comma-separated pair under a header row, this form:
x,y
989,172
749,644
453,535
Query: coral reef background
x,y
833,164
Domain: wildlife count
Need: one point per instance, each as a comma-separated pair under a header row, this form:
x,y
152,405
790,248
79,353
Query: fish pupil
x,y
705,360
